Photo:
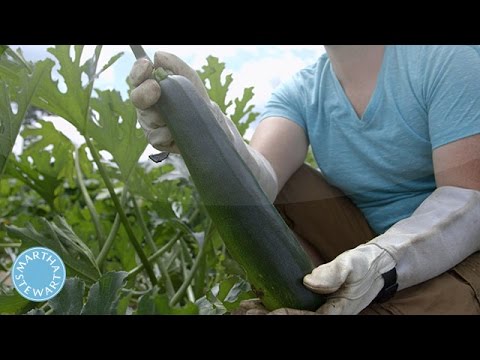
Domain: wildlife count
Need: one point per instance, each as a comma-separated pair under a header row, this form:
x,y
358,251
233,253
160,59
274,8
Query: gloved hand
x,y
354,279
146,93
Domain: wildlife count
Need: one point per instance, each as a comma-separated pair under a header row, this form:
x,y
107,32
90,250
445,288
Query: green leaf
x,y
243,110
210,305
153,303
225,296
11,66
59,237
150,183
36,312
62,150
86,165
80,221
110,62
22,94
123,251
18,204
44,170
13,303
240,291
104,295
123,304
217,90
2,49
70,300
71,104
15,58
115,130
212,75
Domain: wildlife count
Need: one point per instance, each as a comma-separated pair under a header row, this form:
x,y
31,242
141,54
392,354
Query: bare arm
x,y
283,143
458,163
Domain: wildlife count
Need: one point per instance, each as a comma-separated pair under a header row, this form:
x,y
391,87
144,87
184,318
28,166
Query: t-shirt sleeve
x,y
286,102
453,93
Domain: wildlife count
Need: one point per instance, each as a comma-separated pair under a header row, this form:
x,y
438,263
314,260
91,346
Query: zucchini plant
x,y
136,238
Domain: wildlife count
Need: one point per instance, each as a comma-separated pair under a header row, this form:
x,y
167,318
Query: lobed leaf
x,y
59,237
46,162
104,295
70,300
22,94
115,130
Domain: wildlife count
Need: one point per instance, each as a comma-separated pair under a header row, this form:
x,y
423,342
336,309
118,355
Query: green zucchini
x,y
253,231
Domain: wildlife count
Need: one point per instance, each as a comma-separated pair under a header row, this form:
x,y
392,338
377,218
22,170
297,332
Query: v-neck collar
x,y
375,98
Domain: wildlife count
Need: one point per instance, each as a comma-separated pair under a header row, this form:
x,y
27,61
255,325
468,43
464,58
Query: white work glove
x,y
441,233
147,92
354,279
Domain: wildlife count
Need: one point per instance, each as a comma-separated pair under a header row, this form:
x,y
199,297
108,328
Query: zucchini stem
x,y
153,246
88,201
112,235
121,212
186,283
154,256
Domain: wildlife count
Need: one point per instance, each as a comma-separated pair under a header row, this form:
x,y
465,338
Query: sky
x,y
261,66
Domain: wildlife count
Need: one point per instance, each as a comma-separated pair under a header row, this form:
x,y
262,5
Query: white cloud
x,y
107,79
267,73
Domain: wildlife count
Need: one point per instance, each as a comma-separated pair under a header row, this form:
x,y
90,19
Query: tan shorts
x,y
327,223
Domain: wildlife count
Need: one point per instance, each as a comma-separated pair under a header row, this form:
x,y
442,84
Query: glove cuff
x,y
390,286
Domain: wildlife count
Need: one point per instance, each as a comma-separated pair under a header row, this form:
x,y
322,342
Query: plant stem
x,y
173,256
123,216
193,215
190,294
89,89
109,242
181,291
113,233
141,221
154,256
199,284
186,251
19,58
8,245
7,275
149,239
133,292
88,201
185,228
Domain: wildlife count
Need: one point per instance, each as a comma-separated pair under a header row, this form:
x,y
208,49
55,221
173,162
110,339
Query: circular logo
x,y
38,274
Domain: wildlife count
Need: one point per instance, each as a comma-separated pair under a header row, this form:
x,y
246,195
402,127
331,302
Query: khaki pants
x,y
327,223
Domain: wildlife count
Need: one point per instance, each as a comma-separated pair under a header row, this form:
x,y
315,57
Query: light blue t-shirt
x,y
425,97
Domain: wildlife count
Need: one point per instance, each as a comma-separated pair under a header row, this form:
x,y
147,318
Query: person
x,y
392,216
